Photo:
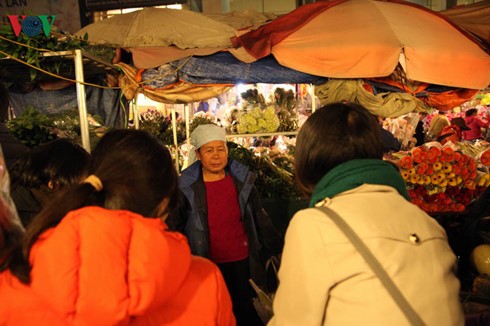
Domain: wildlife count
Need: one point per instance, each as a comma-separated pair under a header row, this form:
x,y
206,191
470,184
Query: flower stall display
x,y
442,179
485,100
33,127
260,116
258,120
160,125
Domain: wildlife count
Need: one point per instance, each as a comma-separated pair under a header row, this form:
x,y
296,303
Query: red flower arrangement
x,y
440,179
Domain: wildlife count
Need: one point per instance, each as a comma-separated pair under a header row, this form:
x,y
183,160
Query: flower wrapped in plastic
x,y
440,179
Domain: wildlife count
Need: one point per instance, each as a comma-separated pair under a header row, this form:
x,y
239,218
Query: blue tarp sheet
x,y
224,68
106,103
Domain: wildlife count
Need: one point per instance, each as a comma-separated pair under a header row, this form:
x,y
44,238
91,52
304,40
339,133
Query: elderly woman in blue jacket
x,y
222,217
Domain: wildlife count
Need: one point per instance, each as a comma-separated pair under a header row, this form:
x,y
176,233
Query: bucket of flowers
x,y
442,179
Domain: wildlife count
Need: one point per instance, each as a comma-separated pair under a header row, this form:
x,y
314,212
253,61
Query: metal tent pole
x,y
136,113
187,126
176,143
81,100
313,102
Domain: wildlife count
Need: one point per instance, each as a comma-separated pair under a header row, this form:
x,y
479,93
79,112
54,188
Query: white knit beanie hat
x,y
204,134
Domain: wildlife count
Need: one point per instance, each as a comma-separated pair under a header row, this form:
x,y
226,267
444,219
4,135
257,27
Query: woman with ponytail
x,y
100,252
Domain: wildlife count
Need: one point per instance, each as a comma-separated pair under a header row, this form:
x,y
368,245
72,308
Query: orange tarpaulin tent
x,y
475,18
370,38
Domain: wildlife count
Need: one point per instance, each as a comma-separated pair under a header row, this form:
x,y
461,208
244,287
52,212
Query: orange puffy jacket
x,y
106,267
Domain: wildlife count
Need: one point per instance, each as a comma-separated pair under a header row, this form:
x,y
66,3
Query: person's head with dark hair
x,y
137,172
54,164
132,171
460,123
334,134
44,171
471,112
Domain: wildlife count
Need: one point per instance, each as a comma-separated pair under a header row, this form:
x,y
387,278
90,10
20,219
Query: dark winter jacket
x,y
191,217
12,148
29,200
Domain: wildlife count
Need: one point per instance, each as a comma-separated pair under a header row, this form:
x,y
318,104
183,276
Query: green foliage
x,y
253,97
286,103
66,124
161,126
31,53
154,122
285,99
199,120
275,178
32,128
168,136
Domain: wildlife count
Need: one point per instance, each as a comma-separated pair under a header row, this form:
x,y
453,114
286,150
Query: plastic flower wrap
x,y
440,179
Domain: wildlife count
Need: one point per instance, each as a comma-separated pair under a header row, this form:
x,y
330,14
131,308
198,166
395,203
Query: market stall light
x,y
111,13
242,87
280,144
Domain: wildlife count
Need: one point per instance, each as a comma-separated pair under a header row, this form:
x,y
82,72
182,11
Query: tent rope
x,y
75,81
23,44
53,74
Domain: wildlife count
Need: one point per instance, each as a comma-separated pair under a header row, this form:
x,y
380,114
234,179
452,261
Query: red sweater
x,y
475,124
228,240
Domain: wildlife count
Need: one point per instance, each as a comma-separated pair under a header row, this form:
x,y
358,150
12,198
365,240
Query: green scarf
x,y
354,173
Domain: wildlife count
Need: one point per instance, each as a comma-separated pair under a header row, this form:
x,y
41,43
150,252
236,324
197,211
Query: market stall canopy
x,y
160,27
474,17
146,57
370,38
203,77
223,68
156,36
179,92
248,19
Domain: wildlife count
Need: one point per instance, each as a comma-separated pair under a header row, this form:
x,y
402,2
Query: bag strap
x,y
272,265
375,265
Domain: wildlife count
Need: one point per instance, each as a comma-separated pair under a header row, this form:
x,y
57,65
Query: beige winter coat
x,y
325,281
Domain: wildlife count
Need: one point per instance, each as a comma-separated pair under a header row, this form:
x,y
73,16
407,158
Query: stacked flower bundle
x,y
258,120
441,179
260,116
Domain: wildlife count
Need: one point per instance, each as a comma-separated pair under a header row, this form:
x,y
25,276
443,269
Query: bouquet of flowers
x,y
258,120
440,179
260,116
160,125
